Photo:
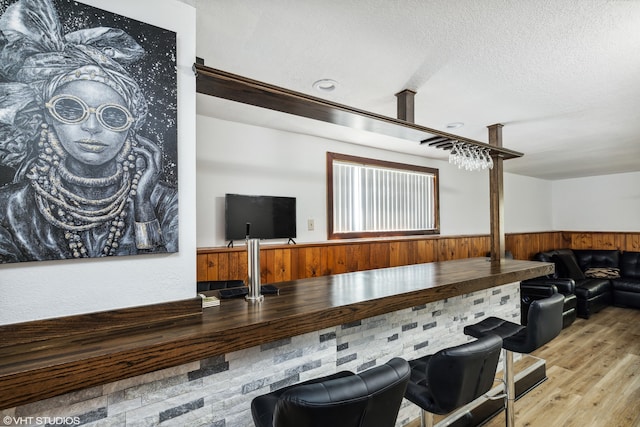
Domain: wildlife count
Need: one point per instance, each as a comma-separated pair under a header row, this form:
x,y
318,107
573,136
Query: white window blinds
x,y
370,198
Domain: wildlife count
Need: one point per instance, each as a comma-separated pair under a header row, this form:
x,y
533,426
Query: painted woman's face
x,y
91,121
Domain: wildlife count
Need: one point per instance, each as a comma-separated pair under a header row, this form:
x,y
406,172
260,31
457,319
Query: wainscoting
x,y
280,263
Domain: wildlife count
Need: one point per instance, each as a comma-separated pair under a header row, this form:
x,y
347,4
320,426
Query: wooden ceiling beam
x,y
210,81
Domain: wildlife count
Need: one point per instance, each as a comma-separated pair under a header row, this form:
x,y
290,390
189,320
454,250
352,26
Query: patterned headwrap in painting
x,y
36,59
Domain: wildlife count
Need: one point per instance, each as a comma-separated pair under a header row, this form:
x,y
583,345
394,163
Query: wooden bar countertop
x,y
41,369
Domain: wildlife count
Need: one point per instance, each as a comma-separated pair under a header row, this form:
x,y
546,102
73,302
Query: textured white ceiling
x,y
563,76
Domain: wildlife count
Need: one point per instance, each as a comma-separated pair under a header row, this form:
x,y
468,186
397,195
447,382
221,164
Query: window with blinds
x,y
370,197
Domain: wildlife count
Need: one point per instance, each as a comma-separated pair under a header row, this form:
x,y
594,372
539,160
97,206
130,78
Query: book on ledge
x,y
209,301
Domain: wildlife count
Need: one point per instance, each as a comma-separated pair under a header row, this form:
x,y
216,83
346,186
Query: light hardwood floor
x,y
593,370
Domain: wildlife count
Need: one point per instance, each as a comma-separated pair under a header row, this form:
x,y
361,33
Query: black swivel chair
x,y
371,398
544,323
453,377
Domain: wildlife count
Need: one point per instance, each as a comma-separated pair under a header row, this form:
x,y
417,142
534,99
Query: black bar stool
x,y
544,323
453,377
371,398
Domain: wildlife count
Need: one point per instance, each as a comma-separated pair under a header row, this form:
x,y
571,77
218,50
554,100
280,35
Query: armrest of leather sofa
x,y
543,287
532,292
536,286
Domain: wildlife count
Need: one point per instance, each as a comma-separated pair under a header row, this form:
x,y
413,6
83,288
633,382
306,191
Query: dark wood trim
x,y
496,196
221,84
406,105
92,323
329,186
34,371
381,163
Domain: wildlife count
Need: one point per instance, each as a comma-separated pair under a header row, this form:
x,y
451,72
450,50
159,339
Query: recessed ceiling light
x,y
325,85
455,125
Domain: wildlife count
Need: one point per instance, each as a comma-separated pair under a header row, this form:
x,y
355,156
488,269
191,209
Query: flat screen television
x,y
270,217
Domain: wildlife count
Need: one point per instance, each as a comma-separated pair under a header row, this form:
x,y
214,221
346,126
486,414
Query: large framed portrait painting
x,y
88,133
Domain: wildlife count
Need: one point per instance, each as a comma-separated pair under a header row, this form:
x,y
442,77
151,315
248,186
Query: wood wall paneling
x,y
379,254
364,262
398,254
223,269
202,266
478,246
602,240
336,259
579,240
427,250
281,263
354,257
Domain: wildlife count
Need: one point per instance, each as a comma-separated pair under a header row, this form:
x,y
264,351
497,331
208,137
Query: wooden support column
x,y
406,105
496,195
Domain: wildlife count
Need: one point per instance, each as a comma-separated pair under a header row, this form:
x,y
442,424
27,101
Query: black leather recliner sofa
x,y
540,288
599,277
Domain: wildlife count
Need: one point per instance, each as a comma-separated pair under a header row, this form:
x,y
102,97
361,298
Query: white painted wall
x,y
38,290
527,204
599,203
239,158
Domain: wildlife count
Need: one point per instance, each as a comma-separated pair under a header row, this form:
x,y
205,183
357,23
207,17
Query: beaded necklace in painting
x,y
74,213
